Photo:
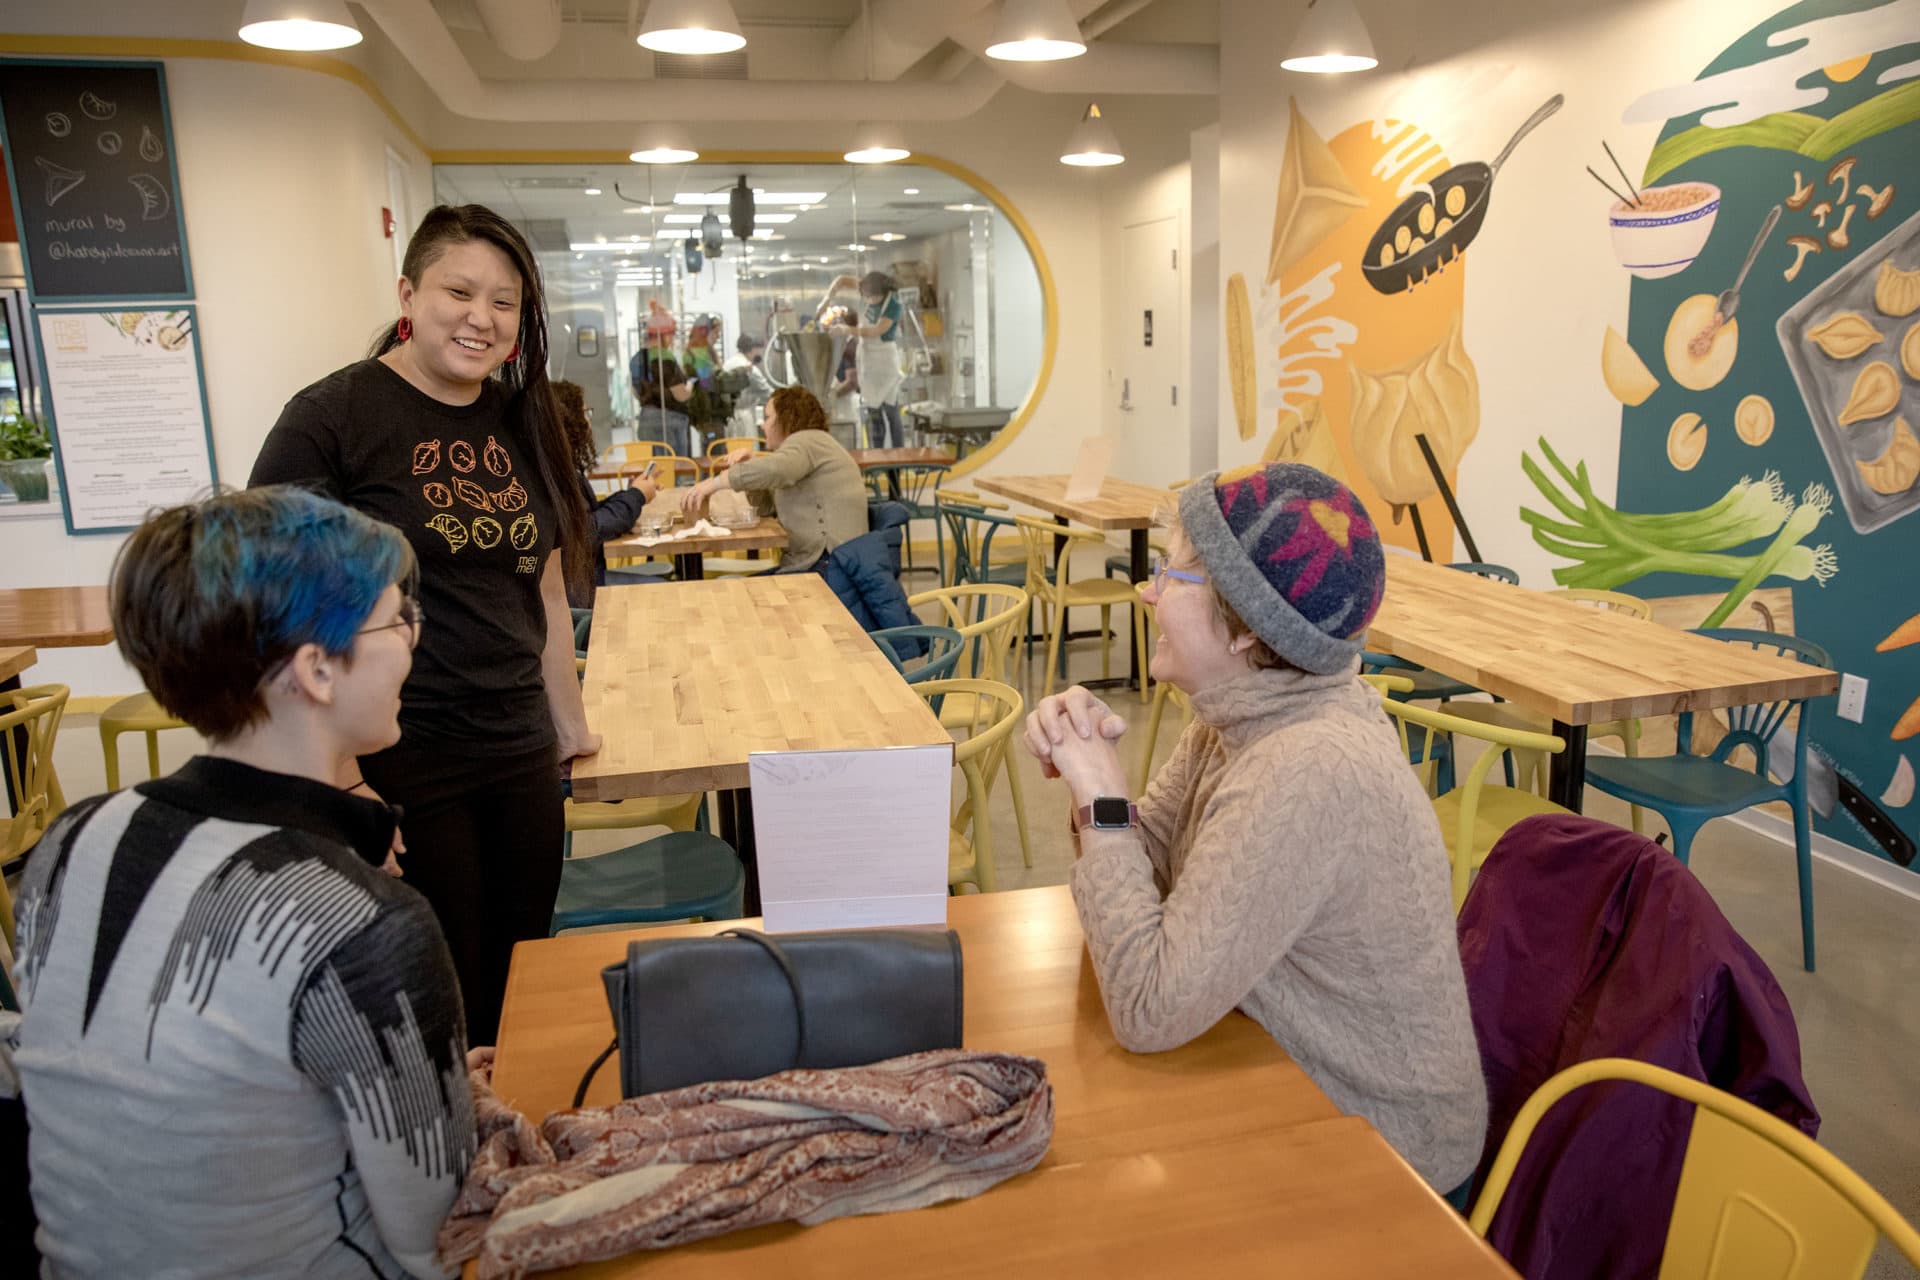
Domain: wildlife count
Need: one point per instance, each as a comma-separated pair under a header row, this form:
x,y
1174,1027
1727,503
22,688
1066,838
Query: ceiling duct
x,y
704,66
524,30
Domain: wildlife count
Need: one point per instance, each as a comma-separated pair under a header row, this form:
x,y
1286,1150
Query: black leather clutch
x,y
741,1004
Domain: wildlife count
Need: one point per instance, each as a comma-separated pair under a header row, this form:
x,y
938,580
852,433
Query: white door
x,y
1152,443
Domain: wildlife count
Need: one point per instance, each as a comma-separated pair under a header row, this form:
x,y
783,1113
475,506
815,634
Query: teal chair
x,y
582,628
911,484
1691,790
678,876
934,651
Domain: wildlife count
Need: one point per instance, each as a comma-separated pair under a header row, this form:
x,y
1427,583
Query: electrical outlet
x,y
1853,698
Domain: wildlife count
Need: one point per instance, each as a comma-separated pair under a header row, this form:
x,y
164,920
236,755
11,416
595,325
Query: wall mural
x,y
1366,372
1768,377
1773,247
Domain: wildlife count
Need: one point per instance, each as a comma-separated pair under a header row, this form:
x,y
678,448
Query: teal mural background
x,y
1877,583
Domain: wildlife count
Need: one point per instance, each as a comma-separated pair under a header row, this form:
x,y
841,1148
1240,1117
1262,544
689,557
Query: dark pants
x,y
885,429
484,847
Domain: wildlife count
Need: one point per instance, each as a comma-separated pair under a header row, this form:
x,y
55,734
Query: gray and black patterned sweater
x,y
241,1049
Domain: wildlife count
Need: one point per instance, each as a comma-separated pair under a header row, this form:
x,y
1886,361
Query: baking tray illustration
x,y
1826,382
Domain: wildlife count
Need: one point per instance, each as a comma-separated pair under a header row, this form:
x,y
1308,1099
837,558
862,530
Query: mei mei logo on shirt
x,y
528,564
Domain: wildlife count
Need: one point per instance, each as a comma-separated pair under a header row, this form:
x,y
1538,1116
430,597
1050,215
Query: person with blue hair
x,y
230,1016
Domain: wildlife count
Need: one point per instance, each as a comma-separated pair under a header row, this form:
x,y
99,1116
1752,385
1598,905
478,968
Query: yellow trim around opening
x,y
239,51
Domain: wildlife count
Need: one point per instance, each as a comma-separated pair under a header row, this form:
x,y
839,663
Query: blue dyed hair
x,y
209,599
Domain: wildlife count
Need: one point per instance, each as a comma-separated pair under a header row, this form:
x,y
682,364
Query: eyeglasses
x,y
1162,570
411,617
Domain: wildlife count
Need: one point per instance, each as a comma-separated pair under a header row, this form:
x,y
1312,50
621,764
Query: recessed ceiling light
x,y
856,248
876,155
967,208
664,155
886,237
911,191
591,191
600,246
693,219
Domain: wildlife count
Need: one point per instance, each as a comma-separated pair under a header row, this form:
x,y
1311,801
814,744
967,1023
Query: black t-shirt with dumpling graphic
x,y
461,483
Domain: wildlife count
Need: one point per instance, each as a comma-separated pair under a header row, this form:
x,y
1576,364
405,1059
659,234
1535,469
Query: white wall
x,y
291,272
1150,442
1205,365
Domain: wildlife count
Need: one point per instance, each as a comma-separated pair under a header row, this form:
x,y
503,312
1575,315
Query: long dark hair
x,y
525,377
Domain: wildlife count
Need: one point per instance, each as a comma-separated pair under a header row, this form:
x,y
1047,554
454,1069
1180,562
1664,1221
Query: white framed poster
x,y
127,402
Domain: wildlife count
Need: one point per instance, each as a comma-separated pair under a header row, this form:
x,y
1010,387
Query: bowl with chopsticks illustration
x,y
1665,230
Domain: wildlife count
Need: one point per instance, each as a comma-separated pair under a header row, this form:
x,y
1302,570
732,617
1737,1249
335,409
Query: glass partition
x,y
901,294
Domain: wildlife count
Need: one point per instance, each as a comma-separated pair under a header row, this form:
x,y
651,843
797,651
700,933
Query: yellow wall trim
x,y
220,50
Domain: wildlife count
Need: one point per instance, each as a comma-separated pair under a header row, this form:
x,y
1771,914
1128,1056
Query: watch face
x,y
1111,811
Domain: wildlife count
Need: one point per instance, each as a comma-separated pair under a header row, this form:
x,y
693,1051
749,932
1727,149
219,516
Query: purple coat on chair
x,y
1582,940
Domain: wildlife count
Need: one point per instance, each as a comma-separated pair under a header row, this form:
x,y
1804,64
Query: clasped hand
x,y
1072,734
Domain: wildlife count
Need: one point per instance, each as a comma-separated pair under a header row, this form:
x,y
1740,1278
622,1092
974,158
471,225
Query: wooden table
x,y
685,680
13,660
1572,662
55,617
916,456
1219,1158
1121,504
689,554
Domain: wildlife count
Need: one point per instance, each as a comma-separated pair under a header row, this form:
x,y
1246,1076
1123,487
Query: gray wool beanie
x,y
1296,555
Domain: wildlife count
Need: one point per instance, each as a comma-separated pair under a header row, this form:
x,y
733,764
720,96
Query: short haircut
x,y
211,598
876,283
746,344
797,410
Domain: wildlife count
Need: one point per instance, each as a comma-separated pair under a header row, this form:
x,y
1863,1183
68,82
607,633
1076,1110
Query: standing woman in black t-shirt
x,y
449,433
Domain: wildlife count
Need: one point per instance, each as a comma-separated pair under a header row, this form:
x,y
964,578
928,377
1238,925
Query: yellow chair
x,y
970,859
1163,693
1058,594
133,713
627,453
1757,1197
721,446
34,711
1473,815
988,617
1530,767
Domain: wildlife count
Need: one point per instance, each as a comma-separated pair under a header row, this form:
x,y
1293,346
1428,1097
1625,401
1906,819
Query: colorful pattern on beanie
x,y
1312,540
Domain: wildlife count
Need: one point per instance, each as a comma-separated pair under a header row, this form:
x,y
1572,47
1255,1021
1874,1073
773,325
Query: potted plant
x,y
24,450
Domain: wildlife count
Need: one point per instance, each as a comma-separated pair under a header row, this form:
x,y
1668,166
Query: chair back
x,y
917,480
987,616
1757,1197
972,527
29,722
721,446
628,452
1044,562
1498,572
935,650
582,629
1755,724
978,760
1614,601
1428,730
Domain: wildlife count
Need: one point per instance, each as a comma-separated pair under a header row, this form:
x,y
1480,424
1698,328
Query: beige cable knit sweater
x,y
1288,864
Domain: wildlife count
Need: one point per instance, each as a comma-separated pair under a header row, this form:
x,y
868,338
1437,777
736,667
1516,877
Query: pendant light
x,y
302,25
1093,144
1332,39
663,153
693,27
875,144
1035,31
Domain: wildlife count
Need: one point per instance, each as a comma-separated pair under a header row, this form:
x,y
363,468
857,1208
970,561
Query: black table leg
x,y
736,828
1138,569
689,566
1567,774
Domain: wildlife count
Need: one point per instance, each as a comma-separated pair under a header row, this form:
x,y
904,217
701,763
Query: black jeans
x,y
484,841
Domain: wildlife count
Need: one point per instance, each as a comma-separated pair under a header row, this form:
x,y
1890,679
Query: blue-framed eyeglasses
x,y
1162,570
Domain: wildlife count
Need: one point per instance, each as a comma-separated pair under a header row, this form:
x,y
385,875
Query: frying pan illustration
x,y
1476,182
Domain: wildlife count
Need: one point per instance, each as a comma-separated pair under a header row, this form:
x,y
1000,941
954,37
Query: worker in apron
x,y
877,358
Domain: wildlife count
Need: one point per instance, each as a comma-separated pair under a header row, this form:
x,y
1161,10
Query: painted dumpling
x,y
1875,394
1895,470
1436,395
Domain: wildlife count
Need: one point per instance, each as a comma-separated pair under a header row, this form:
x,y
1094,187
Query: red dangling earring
x,y
513,354
404,330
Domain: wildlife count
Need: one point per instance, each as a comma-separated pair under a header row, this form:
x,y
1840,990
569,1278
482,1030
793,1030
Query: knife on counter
x,y
1826,784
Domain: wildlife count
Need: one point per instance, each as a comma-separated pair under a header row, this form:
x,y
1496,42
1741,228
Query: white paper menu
x,y
852,839
128,410
1090,469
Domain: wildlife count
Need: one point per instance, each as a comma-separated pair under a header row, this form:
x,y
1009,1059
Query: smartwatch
x,y
1107,813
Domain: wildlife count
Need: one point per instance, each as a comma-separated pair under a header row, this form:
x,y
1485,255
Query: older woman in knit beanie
x,y
1286,861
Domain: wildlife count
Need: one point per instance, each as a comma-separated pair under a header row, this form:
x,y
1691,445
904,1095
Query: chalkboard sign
x,y
95,190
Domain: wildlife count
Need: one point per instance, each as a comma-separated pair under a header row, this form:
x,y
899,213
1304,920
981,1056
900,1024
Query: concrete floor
x,y
1859,1016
